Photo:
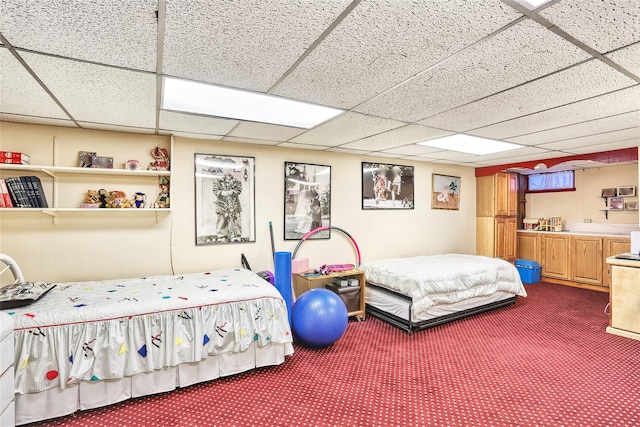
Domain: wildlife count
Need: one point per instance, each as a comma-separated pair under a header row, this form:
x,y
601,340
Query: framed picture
x,y
102,162
307,200
628,191
85,158
609,192
387,186
224,199
445,192
631,206
616,203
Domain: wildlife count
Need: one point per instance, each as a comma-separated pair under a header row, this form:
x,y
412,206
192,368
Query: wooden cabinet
x,y
625,298
302,283
554,256
496,237
613,246
496,209
528,246
586,259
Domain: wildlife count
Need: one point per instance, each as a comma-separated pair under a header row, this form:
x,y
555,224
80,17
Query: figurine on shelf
x,y
103,195
91,200
118,199
139,199
163,200
161,162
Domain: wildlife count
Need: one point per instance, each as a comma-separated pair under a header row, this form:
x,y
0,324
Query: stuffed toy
x,y
139,199
91,200
161,162
103,195
118,199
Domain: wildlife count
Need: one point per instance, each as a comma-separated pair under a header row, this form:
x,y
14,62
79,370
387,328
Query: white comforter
x,y
444,279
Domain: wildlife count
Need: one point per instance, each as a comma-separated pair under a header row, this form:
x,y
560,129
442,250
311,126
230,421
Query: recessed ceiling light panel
x,y
470,144
211,100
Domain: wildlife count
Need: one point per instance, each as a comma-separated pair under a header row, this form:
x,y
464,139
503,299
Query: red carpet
x,y
545,361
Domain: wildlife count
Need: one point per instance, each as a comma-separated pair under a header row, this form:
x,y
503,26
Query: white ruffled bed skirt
x,y
58,402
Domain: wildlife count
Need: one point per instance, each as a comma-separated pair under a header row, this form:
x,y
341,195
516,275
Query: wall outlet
x,y
587,220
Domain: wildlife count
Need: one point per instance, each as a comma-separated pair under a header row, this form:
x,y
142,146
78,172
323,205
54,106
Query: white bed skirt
x,y
55,403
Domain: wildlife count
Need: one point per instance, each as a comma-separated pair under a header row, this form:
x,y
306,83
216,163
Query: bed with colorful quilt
x,y
415,293
90,344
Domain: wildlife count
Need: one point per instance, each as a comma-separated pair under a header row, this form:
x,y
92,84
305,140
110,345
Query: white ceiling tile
x,y
607,124
115,128
255,130
622,101
251,141
346,128
628,58
401,136
381,43
98,94
618,145
412,149
506,60
580,82
302,146
506,156
247,44
35,120
601,138
346,150
602,25
192,135
21,94
171,120
120,33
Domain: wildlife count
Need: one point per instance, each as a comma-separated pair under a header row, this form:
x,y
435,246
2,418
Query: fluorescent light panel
x,y
470,144
532,4
211,100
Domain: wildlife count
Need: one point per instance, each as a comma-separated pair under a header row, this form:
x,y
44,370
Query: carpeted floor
x,y
545,361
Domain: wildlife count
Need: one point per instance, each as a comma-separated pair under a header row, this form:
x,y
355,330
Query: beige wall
x,y
98,245
585,203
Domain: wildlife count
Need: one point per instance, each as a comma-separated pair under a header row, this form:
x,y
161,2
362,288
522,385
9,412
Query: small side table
x,y
303,282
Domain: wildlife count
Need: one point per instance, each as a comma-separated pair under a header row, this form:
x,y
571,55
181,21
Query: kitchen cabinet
x,y
554,255
586,259
613,246
624,298
496,221
528,246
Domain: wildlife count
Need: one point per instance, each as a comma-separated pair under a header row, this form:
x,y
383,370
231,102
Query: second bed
x,y
415,293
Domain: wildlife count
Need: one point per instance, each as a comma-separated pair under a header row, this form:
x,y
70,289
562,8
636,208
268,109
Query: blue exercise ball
x,y
319,318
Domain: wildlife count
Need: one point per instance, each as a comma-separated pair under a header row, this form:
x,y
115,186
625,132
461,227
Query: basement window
x,y
551,181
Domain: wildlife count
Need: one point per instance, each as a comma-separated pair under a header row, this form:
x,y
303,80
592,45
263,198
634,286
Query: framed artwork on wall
x,y
445,192
224,199
616,203
609,192
387,186
307,200
627,191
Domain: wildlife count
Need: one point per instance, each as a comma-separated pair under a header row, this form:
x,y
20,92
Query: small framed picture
x,y
627,191
616,203
631,206
102,162
85,158
609,192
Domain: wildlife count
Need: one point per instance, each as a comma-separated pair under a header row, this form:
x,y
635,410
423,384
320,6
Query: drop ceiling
x,y
561,80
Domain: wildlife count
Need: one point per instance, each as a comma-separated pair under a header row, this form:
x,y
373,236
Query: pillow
x,y
23,293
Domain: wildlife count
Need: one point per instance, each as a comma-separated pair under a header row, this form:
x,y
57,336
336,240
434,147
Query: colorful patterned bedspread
x,y
118,328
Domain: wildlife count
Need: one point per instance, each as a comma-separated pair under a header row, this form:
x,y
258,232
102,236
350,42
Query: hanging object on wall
x,y
312,232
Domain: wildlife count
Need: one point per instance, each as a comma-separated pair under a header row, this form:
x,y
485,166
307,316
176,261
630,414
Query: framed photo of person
x,y
616,203
387,186
224,199
307,200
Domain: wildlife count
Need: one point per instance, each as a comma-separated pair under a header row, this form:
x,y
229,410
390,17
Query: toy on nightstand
x,y
161,162
139,199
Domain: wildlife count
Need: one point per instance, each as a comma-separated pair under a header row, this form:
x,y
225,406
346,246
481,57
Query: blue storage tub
x,y
529,270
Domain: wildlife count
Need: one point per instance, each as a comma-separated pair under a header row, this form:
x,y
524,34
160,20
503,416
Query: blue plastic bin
x,y
529,270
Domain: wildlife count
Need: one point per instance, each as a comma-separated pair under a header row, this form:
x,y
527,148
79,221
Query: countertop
x,y
581,233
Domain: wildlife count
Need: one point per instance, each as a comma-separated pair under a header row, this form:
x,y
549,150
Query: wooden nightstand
x,y
302,283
